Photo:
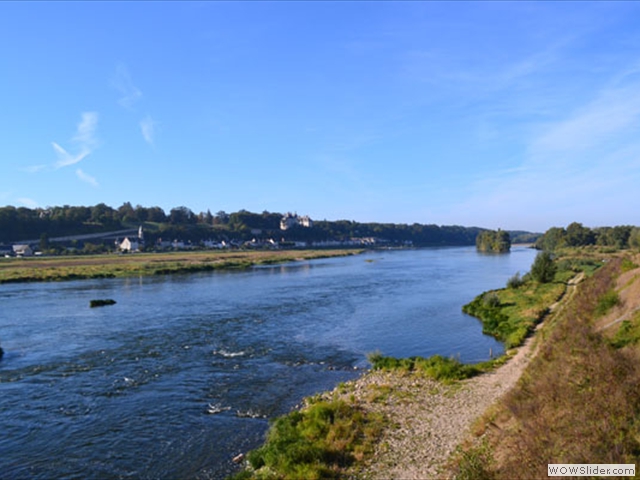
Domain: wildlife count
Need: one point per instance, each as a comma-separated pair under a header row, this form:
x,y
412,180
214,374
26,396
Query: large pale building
x,y
292,219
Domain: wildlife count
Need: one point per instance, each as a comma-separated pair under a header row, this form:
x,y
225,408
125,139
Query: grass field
x,y
43,269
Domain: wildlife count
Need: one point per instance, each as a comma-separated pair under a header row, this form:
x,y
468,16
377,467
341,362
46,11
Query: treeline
x,y
497,241
577,235
23,223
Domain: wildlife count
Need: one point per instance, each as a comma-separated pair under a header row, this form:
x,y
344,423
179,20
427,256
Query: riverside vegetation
x,y
576,403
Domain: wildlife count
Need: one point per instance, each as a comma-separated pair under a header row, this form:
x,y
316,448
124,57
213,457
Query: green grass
x,y
319,442
436,366
46,269
511,314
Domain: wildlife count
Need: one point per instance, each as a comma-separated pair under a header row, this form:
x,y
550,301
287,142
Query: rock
x,y
238,458
101,302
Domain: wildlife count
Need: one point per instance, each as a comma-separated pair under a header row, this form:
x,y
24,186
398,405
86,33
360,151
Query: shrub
x,y
606,302
543,269
436,366
315,443
515,281
491,300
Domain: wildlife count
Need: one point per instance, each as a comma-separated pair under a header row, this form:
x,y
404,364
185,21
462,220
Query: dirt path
x,y
428,419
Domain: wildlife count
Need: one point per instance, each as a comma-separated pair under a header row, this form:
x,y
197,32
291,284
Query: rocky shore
x,y
427,419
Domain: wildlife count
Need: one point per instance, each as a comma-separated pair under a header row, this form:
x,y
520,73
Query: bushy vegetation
x,y
516,281
606,302
436,367
319,442
496,241
577,235
628,333
543,269
511,314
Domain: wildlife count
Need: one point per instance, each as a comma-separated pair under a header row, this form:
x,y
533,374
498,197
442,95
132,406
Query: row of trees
x,y
577,235
181,222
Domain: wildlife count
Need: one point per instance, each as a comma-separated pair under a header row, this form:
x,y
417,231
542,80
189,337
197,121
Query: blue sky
x,y
510,115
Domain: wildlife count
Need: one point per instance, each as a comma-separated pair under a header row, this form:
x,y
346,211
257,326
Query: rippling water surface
x,y
126,391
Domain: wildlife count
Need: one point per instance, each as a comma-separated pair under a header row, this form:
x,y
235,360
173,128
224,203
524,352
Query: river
x,y
125,391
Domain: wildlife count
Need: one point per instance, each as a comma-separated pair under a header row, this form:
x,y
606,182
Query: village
x,y
133,241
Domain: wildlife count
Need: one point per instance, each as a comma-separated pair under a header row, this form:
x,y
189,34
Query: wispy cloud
x,y
147,125
65,158
123,83
86,129
27,202
34,168
84,140
85,177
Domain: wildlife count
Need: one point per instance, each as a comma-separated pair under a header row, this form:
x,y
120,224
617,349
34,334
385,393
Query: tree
x,y
544,268
493,241
634,238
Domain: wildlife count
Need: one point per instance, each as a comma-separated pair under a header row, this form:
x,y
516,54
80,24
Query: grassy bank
x,y
579,399
43,269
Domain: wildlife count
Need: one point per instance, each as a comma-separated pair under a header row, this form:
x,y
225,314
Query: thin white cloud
x,y
86,129
147,125
123,83
34,168
27,202
84,139
85,177
65,158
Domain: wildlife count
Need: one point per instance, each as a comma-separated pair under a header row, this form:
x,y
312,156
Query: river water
x,y
125,391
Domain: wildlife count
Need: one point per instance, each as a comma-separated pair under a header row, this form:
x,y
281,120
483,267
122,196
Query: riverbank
x,y
42,269
422,421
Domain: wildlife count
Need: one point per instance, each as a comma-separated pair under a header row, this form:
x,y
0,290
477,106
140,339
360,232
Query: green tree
x,y
634,238
544,268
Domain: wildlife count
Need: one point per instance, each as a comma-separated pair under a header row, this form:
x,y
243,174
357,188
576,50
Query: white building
x,y
128,245
292,219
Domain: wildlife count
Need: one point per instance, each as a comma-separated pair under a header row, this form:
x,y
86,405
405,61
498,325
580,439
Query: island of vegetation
x,y
566,391
497,241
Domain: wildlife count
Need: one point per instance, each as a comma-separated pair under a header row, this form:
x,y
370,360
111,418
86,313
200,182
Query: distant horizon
x,y
512,115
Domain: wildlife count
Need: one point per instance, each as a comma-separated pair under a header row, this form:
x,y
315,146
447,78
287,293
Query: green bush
x,y
515,281
436,366
543,269
315,443
606,302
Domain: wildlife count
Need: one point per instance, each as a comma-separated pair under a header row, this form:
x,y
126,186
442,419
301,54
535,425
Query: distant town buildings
x,y
292,220
22,251
132,244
